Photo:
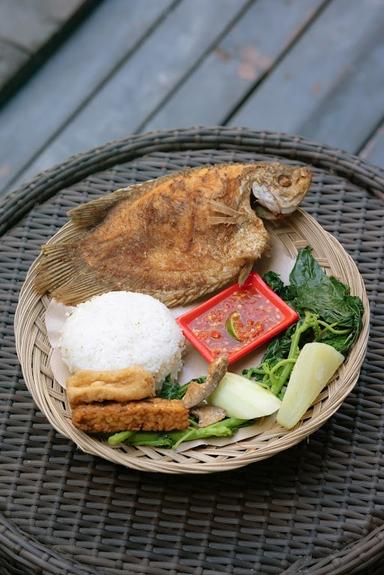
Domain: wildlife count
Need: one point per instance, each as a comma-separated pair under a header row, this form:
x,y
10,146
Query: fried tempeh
x,y
131,383
147,415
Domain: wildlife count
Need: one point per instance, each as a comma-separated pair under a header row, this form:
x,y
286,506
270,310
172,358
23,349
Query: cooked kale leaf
x,y
171,389
328,314
311,289
224,428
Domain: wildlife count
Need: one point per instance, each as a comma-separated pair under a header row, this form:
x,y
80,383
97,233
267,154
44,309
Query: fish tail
x,y
62,273
93,212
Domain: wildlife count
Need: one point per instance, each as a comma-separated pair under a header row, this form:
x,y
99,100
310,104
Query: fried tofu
x,y
131,383
148,415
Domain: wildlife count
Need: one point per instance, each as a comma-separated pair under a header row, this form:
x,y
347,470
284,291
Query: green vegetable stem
x,y
328,314
118,438
224,428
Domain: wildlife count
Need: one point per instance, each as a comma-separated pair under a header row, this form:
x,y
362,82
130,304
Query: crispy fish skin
x,y
197,392
131,383
176,238
208,414
147,415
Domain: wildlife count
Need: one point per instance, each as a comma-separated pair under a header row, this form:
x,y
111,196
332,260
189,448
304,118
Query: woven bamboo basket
x,y
34,351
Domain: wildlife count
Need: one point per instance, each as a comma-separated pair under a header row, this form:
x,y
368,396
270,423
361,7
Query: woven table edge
x,y
15,204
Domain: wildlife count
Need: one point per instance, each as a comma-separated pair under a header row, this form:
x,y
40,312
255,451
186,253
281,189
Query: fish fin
x,y
63,274
223,209
224,214
223,220
227,215
244,273
92,213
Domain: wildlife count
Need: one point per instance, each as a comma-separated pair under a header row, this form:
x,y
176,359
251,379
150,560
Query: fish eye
x,y
284,180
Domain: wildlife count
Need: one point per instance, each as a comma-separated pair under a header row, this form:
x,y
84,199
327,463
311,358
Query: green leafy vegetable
x,y
118,438
150,439
327,297
171,389
328,314
224,428
274,281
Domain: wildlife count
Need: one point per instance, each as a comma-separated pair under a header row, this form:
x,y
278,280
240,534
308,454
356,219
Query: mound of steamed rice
x,y
119,329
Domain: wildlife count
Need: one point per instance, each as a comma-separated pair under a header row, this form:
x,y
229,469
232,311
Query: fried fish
x,y
176,238
208,414
198,392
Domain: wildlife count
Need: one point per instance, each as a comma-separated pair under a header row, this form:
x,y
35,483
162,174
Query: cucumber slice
x,y
243,398
316,364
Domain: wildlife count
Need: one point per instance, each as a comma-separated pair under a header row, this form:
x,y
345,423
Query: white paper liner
x,y
194,364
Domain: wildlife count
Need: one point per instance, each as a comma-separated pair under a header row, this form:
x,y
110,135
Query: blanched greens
x,y
173,439
171,389
328,314
310,289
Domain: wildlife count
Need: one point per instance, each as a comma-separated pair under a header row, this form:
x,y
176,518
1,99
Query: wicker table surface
x,y
317,508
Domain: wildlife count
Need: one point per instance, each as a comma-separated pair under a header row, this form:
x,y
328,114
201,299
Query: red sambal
x,y
237,320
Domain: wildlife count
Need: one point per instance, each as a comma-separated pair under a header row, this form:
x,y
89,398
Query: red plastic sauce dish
x,y
237,320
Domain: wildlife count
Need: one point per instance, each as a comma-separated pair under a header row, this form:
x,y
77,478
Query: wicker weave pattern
x,y
316,508
33,351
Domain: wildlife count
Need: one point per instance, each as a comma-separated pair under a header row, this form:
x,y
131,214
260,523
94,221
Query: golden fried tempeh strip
x,y
127,384
148,415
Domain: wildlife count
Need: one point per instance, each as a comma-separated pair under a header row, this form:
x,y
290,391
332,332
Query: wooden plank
x,y
12,58
373,151
29,23
354,106
145,79
69,78
329,86
241,59
26,26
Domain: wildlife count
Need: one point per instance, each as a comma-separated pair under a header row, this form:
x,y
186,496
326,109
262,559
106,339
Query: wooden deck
x,y
29,31
308,67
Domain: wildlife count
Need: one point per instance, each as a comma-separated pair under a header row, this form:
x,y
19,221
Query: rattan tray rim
x,y
159,460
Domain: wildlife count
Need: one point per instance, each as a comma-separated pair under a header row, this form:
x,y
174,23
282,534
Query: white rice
x,y
119,329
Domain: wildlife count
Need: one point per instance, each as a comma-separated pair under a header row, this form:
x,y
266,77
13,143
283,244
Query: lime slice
x,y
233,325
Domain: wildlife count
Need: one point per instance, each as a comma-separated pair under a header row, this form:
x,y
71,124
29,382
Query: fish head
x,y
279,189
